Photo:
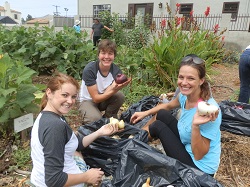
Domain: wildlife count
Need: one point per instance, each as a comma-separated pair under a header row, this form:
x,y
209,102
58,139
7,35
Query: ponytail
x,y
205,91
44,101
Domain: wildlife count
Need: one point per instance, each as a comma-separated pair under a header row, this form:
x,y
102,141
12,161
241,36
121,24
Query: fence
x,y
242,23
238,23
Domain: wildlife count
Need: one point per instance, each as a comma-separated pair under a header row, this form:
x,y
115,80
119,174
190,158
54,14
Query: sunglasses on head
x,y
193,59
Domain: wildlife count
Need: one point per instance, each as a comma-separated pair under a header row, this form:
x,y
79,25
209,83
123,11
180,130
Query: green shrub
x,y
124,33
46,51
16,91
170,45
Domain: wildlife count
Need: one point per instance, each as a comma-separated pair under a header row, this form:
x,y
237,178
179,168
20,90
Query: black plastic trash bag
x,y
140,161
144,104
105,151
235,117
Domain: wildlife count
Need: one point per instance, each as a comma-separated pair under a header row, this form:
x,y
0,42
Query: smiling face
x,y
106,58
62,100
189,81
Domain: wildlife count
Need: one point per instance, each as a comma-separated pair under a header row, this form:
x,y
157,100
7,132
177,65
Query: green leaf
x,y
3,100
25,74
32,108
5,64
15,113
52,50
25,95
6,92
44,55
4,116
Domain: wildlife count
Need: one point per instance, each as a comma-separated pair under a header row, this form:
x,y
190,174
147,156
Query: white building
x,y
6,11
158,7
228,10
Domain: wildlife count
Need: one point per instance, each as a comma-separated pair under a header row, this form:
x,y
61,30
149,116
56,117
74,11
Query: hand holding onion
x,y
115,121
205,108
120,78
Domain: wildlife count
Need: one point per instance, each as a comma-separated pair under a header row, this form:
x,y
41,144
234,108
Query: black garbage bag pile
x,y
105,152
140,161
130,161
144,104
235,117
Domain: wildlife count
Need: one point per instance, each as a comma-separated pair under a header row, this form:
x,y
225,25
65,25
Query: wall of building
x,y
216,6
235,40
199,6
121,7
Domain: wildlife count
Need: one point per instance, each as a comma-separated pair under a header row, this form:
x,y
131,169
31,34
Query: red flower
x,y
207,11
163,23
177,21
177,7
222,38
216,28
192,12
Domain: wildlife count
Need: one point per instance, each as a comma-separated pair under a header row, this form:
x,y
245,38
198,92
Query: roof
x,y
14,11
7,20
38,20
42,20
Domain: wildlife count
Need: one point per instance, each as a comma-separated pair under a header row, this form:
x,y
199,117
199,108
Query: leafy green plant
x,y
231,57
124,34
129,60
16,91
172,43
139,89
22,158
46,51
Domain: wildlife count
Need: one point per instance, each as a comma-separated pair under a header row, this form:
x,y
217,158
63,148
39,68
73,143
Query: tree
x,y
29,17
23,21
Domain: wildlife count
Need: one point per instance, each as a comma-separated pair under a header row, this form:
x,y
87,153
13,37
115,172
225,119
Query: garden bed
x,y
234,167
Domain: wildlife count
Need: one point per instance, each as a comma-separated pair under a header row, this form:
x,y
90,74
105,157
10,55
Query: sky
x,y
39,8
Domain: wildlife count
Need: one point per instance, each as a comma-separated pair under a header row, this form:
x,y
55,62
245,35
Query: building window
x,y
15,16
185,8
100,8
231,7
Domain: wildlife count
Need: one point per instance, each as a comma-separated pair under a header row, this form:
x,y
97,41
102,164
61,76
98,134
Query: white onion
x,y
205,108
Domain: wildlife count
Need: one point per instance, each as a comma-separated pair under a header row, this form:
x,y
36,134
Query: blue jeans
x,y
244,73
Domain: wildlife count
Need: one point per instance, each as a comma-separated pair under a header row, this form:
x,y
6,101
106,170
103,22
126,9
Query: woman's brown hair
x,y
55,83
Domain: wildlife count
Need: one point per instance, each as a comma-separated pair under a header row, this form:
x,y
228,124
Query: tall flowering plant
x,y
178,37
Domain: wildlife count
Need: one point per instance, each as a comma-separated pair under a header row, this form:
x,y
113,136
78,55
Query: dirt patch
x,y
234,170
224,81
234,167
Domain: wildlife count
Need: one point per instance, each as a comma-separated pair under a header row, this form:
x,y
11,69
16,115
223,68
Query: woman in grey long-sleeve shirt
x,y
54,145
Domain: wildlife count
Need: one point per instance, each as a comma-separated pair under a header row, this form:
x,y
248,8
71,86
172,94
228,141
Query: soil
x,y
234,170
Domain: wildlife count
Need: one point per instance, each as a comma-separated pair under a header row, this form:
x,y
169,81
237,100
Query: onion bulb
x,y
115,121
205,108
121,124
120,78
